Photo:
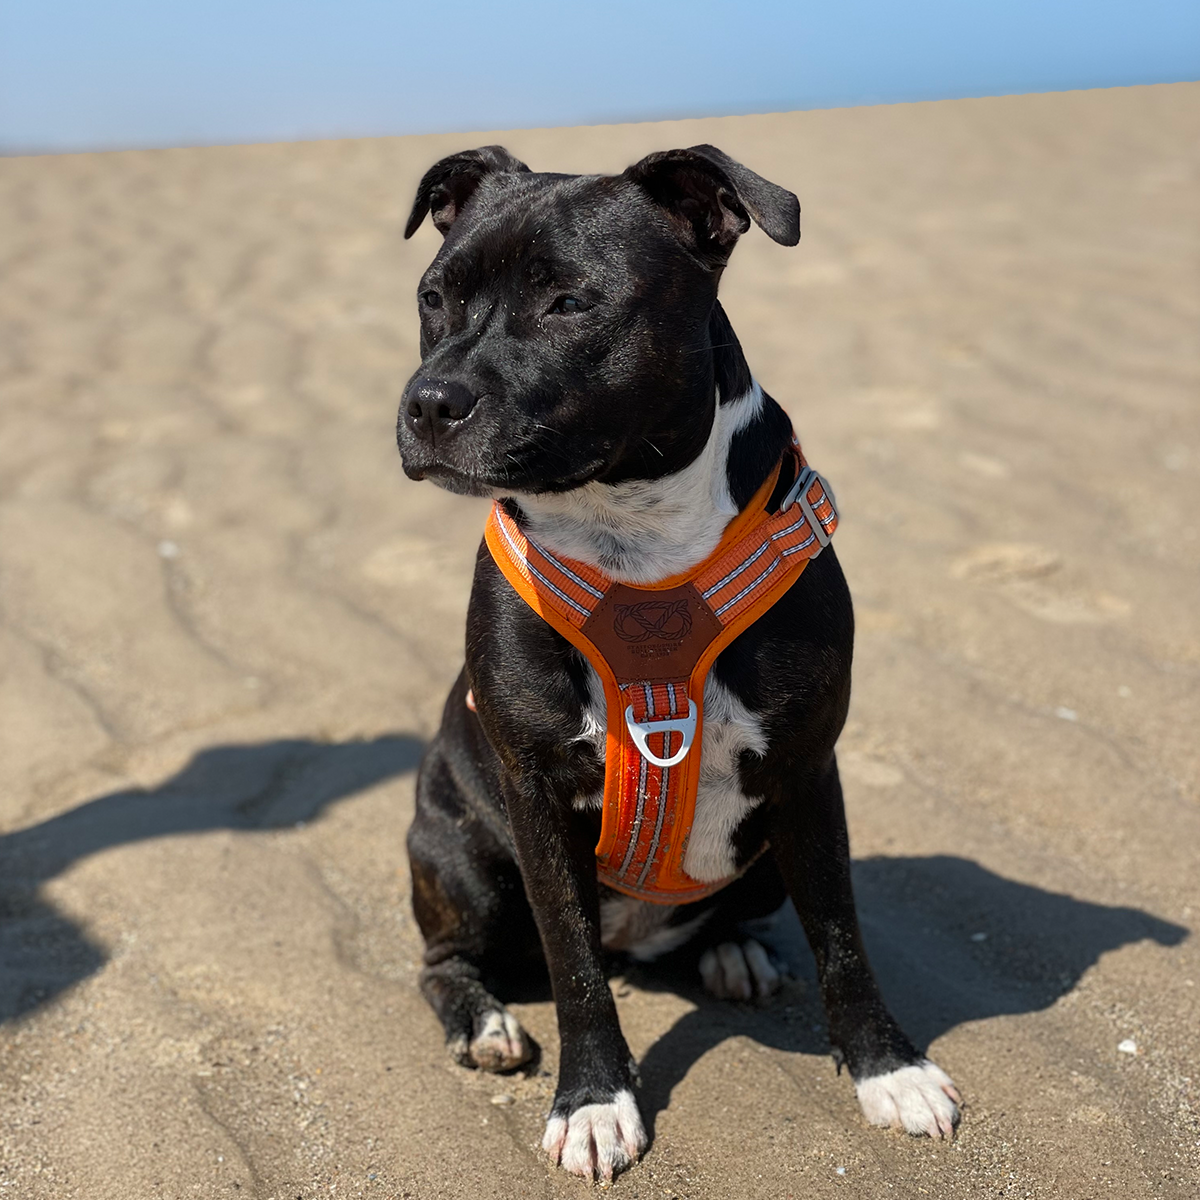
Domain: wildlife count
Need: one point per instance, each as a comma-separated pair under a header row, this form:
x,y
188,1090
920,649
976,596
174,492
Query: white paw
x,y
597,1140
738,972
499,1044
921,1099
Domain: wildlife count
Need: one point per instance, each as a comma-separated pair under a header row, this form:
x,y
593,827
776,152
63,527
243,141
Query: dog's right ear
x,y
447,185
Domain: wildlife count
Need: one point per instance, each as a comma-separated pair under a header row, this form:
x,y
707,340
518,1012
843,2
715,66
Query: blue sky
x,y
97,74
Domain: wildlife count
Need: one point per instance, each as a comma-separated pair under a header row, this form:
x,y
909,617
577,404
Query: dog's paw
x,y
597,1140
738,971
498,1043
921,1098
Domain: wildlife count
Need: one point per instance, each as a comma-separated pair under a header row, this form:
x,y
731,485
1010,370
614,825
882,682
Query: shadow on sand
x,y
253,787
922,919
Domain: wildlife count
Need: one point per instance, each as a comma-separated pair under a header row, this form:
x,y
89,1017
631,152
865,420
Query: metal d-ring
x,y
641,730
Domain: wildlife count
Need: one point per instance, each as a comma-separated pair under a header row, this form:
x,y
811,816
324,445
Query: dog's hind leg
x,y
472,912
737,960
896,1083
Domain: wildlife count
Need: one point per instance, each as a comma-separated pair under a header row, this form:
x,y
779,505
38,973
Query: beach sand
x,y
228,623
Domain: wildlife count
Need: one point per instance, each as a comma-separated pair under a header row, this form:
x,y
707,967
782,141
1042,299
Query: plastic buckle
x,y
641,730
798,494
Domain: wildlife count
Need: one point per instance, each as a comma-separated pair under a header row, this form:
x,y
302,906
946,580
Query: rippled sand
x,y
227,623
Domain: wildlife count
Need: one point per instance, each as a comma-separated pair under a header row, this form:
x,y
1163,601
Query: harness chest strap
x,y
652,647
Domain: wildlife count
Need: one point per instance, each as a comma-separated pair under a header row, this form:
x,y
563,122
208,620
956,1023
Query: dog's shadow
x,y
250,787
950,942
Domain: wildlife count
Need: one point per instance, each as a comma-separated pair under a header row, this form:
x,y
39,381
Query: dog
x,y
578,368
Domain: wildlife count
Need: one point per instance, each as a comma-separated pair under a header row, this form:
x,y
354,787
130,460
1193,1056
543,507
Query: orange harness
x,y
652,646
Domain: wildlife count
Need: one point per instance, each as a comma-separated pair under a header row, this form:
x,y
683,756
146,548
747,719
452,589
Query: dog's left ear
x,y
447,186
712,198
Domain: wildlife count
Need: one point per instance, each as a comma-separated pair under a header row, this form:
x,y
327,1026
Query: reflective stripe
x,y
716,587
791,528
587,612
804,545
583,583
658,820
524,559
637,820
747,589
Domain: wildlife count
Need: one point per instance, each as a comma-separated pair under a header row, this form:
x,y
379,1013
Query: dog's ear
x,y
447,185
712,198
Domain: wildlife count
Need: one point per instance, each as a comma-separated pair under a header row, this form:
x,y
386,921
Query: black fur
x,y
581,313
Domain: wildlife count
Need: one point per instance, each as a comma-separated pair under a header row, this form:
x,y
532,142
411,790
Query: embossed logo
x,y
653,620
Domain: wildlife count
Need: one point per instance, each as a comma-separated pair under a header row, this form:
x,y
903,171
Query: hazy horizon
x,y
128,74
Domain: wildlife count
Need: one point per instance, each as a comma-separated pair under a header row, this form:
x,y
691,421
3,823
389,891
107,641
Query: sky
x,y
108,74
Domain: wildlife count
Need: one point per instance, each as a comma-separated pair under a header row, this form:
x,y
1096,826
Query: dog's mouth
x,y
507,482
458,482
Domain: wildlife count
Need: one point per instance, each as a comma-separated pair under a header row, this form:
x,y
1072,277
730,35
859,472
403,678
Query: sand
x,y
227,625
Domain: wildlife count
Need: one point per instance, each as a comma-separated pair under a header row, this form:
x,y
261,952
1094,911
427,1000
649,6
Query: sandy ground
x,y
227,623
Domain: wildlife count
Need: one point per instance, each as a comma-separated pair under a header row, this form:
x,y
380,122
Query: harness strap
x,y
652,647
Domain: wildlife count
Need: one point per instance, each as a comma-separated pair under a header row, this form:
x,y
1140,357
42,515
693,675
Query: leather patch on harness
x,y
651,635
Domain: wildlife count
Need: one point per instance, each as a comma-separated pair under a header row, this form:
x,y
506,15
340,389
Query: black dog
x,y
577,366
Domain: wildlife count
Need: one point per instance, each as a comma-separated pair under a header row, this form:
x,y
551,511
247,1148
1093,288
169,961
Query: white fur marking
x,y
597,1139
762,970
710,973
721,806
592,800
594,731
734,970
500,1043
921,1099
738,972
641,929
645,530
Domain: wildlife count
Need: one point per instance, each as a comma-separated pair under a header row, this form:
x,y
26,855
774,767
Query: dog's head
x,y
565,320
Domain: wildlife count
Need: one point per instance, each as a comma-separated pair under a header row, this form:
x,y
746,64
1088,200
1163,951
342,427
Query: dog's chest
x,y
721,805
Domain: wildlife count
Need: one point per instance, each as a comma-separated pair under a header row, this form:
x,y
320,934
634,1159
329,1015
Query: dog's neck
x,y
644,531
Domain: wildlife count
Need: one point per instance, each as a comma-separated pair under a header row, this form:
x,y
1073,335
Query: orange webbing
x,y
648,808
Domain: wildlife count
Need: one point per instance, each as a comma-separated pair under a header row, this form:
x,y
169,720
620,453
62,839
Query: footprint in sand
x,y
1035,580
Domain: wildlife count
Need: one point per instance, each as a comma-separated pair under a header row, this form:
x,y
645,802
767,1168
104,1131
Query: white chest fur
x,y
721,805
645,530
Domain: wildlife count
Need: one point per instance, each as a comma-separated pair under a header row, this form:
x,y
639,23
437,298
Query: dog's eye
x,y
432,299
568,304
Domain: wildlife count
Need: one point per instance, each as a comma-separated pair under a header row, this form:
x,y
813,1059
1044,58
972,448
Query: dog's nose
x,y
434,406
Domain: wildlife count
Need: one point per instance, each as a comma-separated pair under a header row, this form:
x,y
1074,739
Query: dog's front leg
x,y
896,1084
594,1127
